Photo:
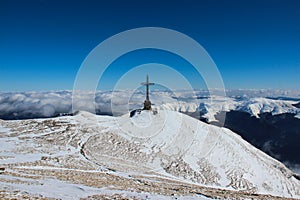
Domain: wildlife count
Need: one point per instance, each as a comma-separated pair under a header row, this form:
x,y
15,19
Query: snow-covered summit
x,y
177,145
162,152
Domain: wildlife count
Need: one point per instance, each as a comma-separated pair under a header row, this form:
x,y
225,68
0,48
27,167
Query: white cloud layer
x,y
22,105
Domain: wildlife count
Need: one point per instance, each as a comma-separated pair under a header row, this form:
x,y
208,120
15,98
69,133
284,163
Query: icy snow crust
x,y
149,155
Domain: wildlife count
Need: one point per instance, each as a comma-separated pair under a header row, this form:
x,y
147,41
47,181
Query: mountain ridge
x,y
181,150
186,164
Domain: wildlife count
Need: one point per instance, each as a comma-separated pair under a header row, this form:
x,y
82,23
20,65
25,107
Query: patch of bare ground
x,y
111,181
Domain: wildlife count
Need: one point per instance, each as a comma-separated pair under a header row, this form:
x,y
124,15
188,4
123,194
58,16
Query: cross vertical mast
x,y
147,88
147,102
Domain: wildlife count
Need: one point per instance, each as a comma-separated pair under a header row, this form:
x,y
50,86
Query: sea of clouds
x,y
25,105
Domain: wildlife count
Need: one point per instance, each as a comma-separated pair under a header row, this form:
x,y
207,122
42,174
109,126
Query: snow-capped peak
x,y
175,144
256,106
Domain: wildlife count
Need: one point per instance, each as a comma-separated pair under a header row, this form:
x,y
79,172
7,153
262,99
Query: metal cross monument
x,y
147,102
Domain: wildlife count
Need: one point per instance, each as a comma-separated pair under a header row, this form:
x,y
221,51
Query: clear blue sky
x,y
255,43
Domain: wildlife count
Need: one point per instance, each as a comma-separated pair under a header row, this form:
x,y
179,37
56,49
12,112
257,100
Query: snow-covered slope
x,y
180,106
256,106
163,153
208,107
175,144
214,105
